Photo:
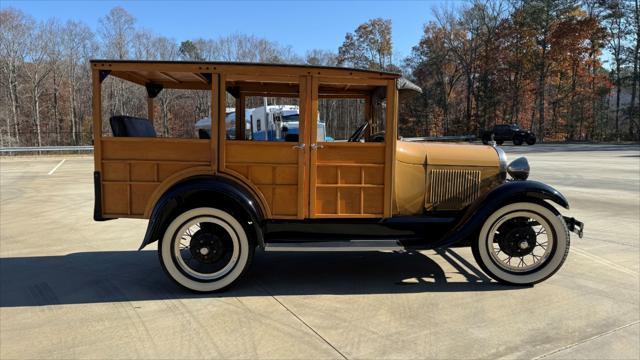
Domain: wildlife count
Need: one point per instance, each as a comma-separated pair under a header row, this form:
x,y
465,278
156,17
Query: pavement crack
x,y
302,321
570,346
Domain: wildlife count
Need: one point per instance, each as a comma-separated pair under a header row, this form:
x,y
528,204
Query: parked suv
x,y
506,132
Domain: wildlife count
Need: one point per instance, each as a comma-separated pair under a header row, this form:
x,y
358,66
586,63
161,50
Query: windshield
x,y
292,117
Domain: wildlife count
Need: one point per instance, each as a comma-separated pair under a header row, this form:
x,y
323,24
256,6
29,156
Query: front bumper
x,y
574,225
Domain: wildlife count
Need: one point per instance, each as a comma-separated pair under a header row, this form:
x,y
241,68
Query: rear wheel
x,y
499,142
531,140
517,140
522,243
205,249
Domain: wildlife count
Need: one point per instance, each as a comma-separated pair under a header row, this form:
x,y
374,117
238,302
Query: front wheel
x,y
205,249
522,243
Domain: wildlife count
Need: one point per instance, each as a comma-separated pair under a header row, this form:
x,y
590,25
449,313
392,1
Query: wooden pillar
x,y
240,117
96,110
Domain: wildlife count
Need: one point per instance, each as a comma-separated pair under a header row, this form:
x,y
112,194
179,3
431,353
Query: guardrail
x,y
44,149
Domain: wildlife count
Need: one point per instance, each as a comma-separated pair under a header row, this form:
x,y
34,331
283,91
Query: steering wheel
x,y
357,135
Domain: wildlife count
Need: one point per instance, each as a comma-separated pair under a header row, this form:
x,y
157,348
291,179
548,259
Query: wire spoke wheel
x,y
520,241
206,248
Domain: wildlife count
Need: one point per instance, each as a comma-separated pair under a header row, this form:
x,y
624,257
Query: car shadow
x,y
115,276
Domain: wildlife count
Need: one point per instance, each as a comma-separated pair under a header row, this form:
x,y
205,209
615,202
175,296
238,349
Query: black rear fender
x,y
474,217
209,191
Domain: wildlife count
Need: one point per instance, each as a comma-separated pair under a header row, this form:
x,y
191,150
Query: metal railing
x,y
44,149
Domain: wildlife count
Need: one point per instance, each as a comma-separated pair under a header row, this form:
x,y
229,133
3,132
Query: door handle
x,y
316,146
298,147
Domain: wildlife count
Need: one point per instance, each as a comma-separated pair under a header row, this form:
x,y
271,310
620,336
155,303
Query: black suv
x,y
502,133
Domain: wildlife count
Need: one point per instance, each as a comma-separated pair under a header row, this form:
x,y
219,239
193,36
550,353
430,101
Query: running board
x,y
337,246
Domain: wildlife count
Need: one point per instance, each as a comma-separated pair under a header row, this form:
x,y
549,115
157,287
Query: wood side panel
x,y
355,153
159,149
350,180
144,171
118,171
134,168
116,199
261,152
271,170
140,195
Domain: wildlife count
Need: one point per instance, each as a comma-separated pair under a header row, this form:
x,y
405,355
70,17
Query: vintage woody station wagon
x,y
211,201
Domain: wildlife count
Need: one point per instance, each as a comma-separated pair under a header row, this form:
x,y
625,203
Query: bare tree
x,y
38,69
79,46
321,57
15,29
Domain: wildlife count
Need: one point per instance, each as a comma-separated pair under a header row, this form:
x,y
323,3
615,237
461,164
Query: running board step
x,y
353,245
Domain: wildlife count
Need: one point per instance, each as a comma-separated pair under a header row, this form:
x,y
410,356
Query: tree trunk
x,y
13,94
55,107
72,106
634,113
541,96
618,90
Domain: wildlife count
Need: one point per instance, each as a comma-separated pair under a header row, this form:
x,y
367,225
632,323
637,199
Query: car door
x,y
350,179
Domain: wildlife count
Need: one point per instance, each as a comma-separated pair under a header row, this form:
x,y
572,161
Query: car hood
x,y
452,154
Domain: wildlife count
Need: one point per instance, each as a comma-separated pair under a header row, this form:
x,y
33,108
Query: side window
x,y
271,110
351,113
176,113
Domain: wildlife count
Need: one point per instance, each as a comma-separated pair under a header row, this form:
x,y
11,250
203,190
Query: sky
x,y
303,25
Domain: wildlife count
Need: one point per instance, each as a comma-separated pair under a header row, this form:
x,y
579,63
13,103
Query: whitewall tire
x,y
205,249
522,243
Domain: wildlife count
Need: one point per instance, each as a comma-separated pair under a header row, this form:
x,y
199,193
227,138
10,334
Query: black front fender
x,y
513,191
203,191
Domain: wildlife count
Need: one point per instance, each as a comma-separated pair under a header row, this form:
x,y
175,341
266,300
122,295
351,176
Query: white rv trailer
x,y
265,123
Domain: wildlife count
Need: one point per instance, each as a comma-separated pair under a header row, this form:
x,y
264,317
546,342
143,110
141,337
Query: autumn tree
x,y
368,47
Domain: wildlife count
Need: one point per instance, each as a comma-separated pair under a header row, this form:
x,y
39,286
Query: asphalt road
x,y
74,288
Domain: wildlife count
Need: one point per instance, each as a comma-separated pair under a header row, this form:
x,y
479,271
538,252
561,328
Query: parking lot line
x,y
57,166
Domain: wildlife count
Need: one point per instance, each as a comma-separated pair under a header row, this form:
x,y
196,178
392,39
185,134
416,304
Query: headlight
x,y
519,169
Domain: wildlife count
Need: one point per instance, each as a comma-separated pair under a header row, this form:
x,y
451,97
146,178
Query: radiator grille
x,y
452,189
